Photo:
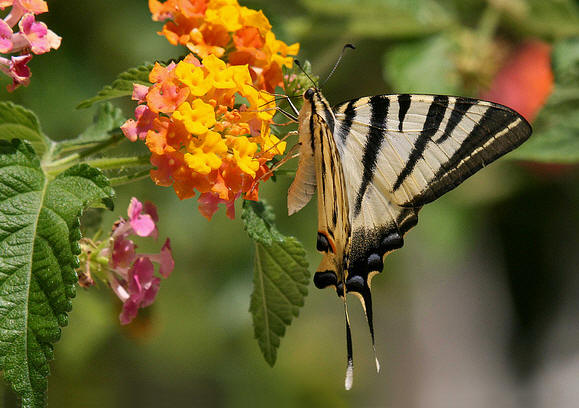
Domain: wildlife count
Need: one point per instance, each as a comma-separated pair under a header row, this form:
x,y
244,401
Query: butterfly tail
x,y
367,298
350,364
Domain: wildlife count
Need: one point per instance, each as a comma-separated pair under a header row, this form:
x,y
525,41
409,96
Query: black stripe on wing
x,y
403,106
496,133
379,105
461,106
432,123
346,124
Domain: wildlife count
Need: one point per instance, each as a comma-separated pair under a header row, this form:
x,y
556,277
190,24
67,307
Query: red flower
x,y
525,82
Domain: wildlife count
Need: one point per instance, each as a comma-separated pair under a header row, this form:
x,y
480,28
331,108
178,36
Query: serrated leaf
x,y
122,86
280,283
17,122
280,278
258,221
39,233
555,137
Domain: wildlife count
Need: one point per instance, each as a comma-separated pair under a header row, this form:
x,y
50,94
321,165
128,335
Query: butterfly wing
x,y
400,152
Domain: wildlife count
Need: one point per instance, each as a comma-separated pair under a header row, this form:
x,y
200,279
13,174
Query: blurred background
x,y
481,306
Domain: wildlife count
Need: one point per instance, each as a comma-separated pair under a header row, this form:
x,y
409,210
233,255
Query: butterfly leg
x,y
290,115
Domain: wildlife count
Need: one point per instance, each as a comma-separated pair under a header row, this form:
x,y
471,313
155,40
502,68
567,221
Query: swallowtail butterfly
x,y
375,161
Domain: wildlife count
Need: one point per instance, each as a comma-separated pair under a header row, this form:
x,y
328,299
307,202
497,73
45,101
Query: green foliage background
x,y
487,281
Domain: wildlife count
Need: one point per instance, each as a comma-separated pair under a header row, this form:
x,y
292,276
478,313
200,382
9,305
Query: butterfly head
x,y
309,94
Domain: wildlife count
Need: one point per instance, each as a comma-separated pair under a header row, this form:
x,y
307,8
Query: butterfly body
x,y
375,161
320,167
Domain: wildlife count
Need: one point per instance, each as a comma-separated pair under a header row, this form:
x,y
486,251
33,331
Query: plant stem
x,y
58,166
108,163
118,181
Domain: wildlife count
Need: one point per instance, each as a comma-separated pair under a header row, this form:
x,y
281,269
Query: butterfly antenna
x,y
338,62
299,65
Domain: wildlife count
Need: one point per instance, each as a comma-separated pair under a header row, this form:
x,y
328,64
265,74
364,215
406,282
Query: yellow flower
x,y
197,117
206,152
194,77
221,76
240,75
260,101
276,50
270,144
225,13
243,151
255,18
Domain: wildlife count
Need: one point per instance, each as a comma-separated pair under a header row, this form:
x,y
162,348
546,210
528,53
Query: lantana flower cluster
x,y
207,120
223,28
33,37
129,274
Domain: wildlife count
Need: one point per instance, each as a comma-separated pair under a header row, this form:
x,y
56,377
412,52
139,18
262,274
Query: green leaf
x,y
122,86
280,283
424,66
17,122
280,278
106,119
556,130
39,233
258,220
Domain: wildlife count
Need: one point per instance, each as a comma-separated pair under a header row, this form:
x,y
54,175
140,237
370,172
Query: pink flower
x,y
33,37
5,3
123,253
143,286
164,259
129,274
33,6
39,37
138,129
141,222
209,204
21,7
16,68
5,37
140,93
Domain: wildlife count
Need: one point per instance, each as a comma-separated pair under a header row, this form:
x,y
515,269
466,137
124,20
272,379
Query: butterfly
x,y
375,161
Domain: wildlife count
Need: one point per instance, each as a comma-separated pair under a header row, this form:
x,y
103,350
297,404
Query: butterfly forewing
x,y
429,144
